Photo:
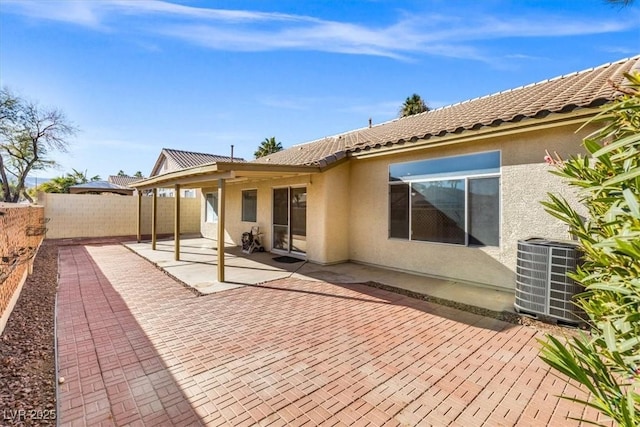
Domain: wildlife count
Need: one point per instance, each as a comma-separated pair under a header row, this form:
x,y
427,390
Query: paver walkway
x,y
135,347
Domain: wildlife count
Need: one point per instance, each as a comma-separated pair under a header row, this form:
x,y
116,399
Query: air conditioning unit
x,y
542,284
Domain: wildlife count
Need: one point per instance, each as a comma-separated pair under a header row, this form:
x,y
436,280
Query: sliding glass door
x,y
290,220
281,219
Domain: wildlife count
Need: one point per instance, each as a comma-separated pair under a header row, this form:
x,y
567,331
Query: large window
x,y
249,205
211,208
447,200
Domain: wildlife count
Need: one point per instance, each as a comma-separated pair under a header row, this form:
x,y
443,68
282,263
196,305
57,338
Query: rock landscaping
x,y
27,356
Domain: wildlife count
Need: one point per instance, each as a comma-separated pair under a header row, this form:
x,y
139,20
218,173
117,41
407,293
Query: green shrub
x,y
607,360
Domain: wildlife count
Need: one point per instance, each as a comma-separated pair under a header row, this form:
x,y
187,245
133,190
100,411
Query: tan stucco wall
x,y
331,205
233,222
232,218
525,181
90,215
327,212
347,209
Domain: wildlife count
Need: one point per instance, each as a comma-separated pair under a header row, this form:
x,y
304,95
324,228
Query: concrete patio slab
x,y
198,263
137,348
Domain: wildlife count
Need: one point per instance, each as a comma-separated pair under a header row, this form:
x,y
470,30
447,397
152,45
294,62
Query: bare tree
x,y
28,136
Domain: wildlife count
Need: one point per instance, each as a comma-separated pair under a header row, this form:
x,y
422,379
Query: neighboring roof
x,y
179,159
123,180
100,187
564,94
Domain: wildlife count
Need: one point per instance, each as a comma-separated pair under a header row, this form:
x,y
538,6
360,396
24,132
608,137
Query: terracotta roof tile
x,y
585,89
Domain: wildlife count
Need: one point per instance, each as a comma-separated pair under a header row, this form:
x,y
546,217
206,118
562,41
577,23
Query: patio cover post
x,y
154,217
139,219
176,231
221,215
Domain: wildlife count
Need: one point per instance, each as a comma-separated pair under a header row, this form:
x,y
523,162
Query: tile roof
x,y
179,159
123,181
585,89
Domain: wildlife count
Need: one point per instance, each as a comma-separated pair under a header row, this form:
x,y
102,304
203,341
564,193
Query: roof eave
x,y
202,175
577,117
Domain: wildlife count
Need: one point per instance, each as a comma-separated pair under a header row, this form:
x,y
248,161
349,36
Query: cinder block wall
x,y
21,232
90,215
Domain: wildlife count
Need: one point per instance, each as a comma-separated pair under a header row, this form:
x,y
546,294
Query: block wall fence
x,y
22,229
91,215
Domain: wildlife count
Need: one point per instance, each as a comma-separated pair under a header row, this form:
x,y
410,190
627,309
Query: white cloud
x,y
619,50
73,12
245,30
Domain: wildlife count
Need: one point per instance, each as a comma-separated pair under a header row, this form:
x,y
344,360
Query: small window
x,y
211,208
249,205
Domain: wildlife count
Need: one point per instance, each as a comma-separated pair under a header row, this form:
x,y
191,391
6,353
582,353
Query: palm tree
x,y
268,146
413,105
81,177
61,184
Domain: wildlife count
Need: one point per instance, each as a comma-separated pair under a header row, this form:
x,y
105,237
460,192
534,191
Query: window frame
x,y
445,177
243,216
214,208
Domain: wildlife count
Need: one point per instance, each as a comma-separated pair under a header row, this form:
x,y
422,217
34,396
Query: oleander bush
x,y
606,361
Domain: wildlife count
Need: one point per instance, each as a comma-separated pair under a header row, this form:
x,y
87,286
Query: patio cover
x,y
215,174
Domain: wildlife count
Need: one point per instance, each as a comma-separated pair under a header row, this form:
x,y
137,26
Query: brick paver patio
x,y
136,347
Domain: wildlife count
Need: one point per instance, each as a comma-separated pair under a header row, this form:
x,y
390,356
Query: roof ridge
x,y
562,94
194,152
348,132
562,76
395,119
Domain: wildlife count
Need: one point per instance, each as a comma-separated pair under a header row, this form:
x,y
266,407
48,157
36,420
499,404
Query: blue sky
x,y
137,76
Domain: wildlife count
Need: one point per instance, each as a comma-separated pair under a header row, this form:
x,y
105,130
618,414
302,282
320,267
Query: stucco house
x,y
446,193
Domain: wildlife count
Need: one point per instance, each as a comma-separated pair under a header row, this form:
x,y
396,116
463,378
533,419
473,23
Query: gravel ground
x,y
27,359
